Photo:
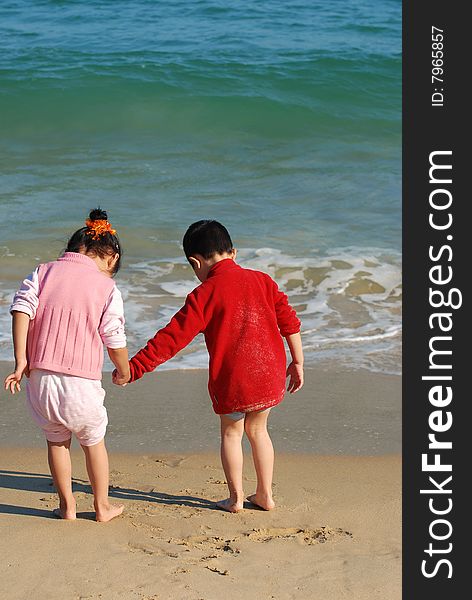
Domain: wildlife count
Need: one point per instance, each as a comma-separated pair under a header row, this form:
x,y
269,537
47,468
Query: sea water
x,y
281,119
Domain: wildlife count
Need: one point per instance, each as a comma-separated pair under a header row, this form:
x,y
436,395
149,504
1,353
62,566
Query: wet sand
x,y
355,413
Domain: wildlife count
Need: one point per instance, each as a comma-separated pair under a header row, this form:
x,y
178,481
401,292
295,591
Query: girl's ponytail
x,y
97,237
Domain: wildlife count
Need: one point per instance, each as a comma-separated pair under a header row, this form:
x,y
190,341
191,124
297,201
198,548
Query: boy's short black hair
x,y
207,238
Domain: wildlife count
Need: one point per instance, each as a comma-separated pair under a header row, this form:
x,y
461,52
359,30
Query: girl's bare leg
x,y
61,471
96,458
255,425
232,460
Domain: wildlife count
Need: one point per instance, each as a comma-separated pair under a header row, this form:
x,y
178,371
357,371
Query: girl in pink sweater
x,y
64,313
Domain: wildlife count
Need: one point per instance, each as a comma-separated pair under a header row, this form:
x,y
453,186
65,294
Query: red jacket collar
x,y
221,266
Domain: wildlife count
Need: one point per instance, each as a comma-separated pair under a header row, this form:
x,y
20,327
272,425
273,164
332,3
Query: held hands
x,y
119,357
119,379
12,381
295,372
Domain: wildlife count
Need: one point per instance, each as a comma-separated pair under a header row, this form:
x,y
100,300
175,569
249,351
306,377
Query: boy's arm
x,y
180,331
20,327
295,368
289,325
294,342
287,319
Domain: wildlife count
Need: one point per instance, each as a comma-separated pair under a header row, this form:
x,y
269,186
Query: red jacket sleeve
x,y
287,319
177,334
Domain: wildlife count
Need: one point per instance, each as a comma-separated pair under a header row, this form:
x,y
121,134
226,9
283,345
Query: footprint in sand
x,y
180,570
207,542
173,463
307,536
143,549
217,481
146,526
48,499
133,547
315,497
209,557
217,570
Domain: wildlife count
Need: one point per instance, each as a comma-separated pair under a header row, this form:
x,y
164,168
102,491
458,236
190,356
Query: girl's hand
x,y
295,372
13,380
120,379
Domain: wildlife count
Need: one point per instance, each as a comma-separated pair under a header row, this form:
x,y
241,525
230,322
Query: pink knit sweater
x,y
64,334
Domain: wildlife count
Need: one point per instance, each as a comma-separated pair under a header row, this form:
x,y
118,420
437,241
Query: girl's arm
x,y
119,357
295,368
23,309
112,332
20,333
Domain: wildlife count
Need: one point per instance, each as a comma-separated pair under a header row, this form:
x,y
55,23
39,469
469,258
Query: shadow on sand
x,y
39,482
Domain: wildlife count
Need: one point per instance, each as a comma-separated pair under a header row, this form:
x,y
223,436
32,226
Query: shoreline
x,y
336,413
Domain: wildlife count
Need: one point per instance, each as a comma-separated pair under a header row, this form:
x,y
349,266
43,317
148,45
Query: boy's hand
x,y
13,380
295,372
119,379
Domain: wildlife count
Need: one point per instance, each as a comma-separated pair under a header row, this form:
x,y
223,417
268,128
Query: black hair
x,y
207,238
105,244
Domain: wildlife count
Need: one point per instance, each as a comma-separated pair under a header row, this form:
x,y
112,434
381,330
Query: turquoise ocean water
x,y
279,118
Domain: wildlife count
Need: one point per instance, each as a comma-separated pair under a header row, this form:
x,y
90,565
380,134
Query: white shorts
x,y
64,404
237,416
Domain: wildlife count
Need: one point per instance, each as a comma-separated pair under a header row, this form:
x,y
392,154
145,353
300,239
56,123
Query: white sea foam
x,y
349,302
180,289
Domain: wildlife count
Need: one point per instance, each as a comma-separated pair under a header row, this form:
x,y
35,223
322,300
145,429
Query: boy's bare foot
x,y
107,513
262,501
66,515
230,505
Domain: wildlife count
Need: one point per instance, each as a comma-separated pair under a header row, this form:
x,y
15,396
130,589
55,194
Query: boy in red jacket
x,y
244,318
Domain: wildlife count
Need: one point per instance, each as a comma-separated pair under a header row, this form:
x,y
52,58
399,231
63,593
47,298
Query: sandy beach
x,y
335,534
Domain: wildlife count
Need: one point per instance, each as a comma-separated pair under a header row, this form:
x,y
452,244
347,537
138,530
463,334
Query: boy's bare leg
x,y
255,425
232,460
61,471
96,459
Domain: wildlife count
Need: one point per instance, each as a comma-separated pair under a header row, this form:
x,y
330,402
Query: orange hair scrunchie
x,y
98,228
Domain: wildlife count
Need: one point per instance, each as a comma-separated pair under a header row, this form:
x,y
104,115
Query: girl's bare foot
x,y
230,505
109,512
66,515
262,501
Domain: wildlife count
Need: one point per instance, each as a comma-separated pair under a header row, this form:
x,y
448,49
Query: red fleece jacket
x,y
243,316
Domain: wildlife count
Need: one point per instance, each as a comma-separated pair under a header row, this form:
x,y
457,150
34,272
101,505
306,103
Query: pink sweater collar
x,y
79,258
